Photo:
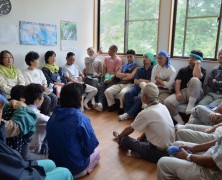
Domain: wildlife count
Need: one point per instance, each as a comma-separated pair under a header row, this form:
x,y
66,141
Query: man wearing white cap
x,y
154,123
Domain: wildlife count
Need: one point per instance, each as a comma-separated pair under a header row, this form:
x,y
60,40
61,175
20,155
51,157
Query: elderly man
x,y
157,128
193,166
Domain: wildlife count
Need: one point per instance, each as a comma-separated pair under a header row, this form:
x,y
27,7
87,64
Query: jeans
x,y
144,148
129,97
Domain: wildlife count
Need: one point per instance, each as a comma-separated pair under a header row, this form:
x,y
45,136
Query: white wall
x,y
81,12
51,12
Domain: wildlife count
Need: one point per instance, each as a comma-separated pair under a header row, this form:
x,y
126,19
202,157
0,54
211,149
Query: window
x,y
197,26
130,24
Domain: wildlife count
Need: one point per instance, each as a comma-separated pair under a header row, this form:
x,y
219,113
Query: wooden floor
x,y
115,164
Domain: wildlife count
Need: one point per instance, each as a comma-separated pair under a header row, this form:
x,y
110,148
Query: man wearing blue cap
x,y
188,86
214,97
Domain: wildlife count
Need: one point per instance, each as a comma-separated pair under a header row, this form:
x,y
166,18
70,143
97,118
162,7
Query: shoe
x,y
120,111
123,117
134,154
115,134
98,107
112,108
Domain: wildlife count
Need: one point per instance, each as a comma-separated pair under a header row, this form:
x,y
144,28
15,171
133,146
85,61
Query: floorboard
x,y
115,164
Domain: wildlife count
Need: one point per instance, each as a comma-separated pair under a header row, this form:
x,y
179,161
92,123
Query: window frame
x,y
126,27
175,5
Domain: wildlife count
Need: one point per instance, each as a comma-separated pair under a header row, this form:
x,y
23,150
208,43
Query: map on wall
x,y
37,33
68,35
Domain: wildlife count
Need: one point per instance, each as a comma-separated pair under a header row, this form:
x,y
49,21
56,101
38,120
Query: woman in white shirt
x,y
34,75
9,74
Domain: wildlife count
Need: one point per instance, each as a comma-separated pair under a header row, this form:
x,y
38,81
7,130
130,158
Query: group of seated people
x,y
190,151
150,94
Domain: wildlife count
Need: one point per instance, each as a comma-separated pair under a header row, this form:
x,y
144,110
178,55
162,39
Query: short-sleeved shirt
x,y
72,71
158,127
112,65
186,73
216,153
143,73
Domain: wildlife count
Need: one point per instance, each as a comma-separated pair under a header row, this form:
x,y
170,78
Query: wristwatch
x,y
188,157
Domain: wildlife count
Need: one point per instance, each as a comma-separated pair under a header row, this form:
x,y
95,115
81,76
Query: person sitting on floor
x,y
34,96
74,74
188,86
19,126
189,166
132,99
125,74
156,125
71,138
13,166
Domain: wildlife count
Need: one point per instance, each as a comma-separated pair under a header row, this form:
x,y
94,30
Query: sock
x,y
178,119
93,101
85,104
191,104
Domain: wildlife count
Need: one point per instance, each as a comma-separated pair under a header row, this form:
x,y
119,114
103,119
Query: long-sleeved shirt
x,y
71,139
216,73
166,74
40,134
93,64
6,84
54,77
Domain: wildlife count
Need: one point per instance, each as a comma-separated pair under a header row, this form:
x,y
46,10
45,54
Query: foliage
x,y
141,25
195,30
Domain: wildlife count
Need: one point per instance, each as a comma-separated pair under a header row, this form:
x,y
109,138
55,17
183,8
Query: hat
x,y
165,54
150,89
151,57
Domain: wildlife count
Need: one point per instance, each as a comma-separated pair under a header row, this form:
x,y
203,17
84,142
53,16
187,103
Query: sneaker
x,y
98,107
134,154
123,117
115,134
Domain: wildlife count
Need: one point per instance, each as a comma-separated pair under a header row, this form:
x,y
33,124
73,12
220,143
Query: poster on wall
x,y
32,33
8,34
68,35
